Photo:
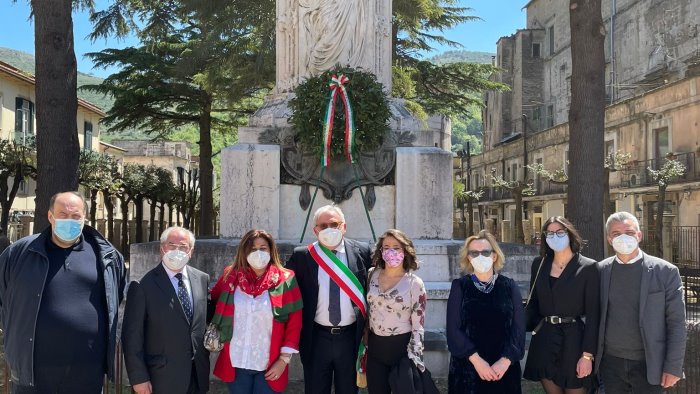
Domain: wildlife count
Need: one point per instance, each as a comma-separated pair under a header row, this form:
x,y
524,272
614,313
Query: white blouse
x,y
252,331
399,310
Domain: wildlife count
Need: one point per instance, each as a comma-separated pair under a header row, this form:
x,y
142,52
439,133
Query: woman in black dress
x,y
563,312
485,323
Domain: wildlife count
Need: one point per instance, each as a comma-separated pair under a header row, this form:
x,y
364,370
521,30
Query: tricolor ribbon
x,y
337,88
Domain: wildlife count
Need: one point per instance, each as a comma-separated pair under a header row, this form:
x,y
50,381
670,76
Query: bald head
x,y
71,203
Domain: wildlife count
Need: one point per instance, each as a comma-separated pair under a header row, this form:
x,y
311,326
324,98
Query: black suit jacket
x,y
159,343
306,271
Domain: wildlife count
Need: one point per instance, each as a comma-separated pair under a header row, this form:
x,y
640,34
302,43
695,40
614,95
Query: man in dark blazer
x,y
332,323
642,321
164,323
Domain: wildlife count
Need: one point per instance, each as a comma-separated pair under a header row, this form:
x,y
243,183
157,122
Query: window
x,y
24,120
661,143
22,190
550,34
514,172
550,115
609,148
536,50
537,118
87,140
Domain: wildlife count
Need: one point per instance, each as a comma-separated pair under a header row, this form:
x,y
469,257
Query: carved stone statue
x,y
315,35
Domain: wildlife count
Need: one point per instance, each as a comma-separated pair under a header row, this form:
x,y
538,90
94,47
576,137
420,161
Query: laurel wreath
x,y
370,106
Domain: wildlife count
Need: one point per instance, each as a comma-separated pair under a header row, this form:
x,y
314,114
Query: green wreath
x,y
369,103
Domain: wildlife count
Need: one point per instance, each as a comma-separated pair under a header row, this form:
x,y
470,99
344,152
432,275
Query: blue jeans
x,y
249,382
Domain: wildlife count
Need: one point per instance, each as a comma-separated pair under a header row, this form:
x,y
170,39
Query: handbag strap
x,y
534,282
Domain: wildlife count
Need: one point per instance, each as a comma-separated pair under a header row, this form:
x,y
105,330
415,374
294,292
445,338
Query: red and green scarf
x,y
285,296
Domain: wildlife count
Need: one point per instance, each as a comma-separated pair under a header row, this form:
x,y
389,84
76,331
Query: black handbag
x,y
406,378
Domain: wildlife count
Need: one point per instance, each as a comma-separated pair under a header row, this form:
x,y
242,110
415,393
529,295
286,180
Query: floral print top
x,y
399,310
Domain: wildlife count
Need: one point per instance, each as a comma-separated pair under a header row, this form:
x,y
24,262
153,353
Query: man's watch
x,y
588,357
286,358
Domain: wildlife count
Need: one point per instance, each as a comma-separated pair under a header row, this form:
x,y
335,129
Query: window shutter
x,y
31,118
18,114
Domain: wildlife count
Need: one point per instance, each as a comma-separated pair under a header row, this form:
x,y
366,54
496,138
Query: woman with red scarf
x,y
259,310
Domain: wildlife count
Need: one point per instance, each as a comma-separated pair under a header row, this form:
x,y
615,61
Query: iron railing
x,y
636,173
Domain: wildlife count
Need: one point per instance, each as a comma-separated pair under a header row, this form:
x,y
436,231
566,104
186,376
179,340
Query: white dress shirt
x,y
176,285
347,313
252,331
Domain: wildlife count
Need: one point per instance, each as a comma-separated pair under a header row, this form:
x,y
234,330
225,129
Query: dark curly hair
x,y
410,261
576,243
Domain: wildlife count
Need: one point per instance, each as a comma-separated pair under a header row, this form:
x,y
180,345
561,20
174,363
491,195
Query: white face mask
x,y
625,244
330,237
482,264
175,259
258,259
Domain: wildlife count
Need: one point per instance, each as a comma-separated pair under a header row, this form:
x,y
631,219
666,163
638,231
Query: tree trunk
x,y
161,219
56,104
152,221
138,216
110,216
206,173
518,219
125,226
93,207
606,206
8,197
586,124
659,230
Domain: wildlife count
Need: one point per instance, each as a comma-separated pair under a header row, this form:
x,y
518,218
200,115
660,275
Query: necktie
x,y
333,301
184,297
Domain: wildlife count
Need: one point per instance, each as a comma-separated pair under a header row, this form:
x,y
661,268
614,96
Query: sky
x,y
499,18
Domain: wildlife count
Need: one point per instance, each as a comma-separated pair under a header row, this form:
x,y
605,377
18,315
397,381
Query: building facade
x,y
652,81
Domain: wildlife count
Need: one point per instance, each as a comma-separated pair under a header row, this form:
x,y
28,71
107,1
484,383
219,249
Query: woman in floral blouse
x,y
396,299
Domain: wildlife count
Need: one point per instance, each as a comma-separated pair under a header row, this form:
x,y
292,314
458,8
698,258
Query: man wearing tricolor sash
x,y
331,274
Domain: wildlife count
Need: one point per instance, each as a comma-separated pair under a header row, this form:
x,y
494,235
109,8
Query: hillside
x,y
462,56
25,62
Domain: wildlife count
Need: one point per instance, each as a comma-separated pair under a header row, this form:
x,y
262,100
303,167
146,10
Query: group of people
x,y
618,324
348,311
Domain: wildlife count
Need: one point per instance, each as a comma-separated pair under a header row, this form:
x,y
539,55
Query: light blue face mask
x,y
67,230
558,243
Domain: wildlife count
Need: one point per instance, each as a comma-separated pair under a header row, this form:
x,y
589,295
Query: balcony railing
x,y
636,173
543,189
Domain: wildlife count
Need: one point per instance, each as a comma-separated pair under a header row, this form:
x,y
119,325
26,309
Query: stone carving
x,y
300,167
315,35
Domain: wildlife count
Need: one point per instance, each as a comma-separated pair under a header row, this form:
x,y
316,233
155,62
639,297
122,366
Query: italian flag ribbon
x,y
337,88
340,274
348,282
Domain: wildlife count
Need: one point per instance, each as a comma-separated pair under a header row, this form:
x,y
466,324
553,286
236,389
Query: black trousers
x,y
332,362
383,352
625,376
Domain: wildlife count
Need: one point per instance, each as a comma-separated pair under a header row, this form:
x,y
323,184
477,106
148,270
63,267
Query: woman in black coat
x,y
562,312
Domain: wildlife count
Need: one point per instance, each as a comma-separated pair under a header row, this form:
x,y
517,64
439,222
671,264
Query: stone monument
x,y
268,181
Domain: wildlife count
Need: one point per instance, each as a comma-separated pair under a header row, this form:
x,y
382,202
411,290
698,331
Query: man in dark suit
x,y
641,345
164,323
333,315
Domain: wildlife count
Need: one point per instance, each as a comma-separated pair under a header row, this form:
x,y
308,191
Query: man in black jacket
x,y
333,317
59,298
164,322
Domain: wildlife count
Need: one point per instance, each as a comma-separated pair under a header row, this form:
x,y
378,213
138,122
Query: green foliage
x,y
370,108
670,170
556,176
467,129
96,171
617,160
462,196
526,189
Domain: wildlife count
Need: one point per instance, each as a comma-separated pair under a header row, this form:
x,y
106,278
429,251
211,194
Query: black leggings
x,y
382,354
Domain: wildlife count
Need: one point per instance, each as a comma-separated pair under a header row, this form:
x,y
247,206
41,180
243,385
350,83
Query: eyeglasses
x,y
559,233
180,247
476,253
324,226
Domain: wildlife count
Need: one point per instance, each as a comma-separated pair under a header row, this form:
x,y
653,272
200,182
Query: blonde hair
x,y
464,262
